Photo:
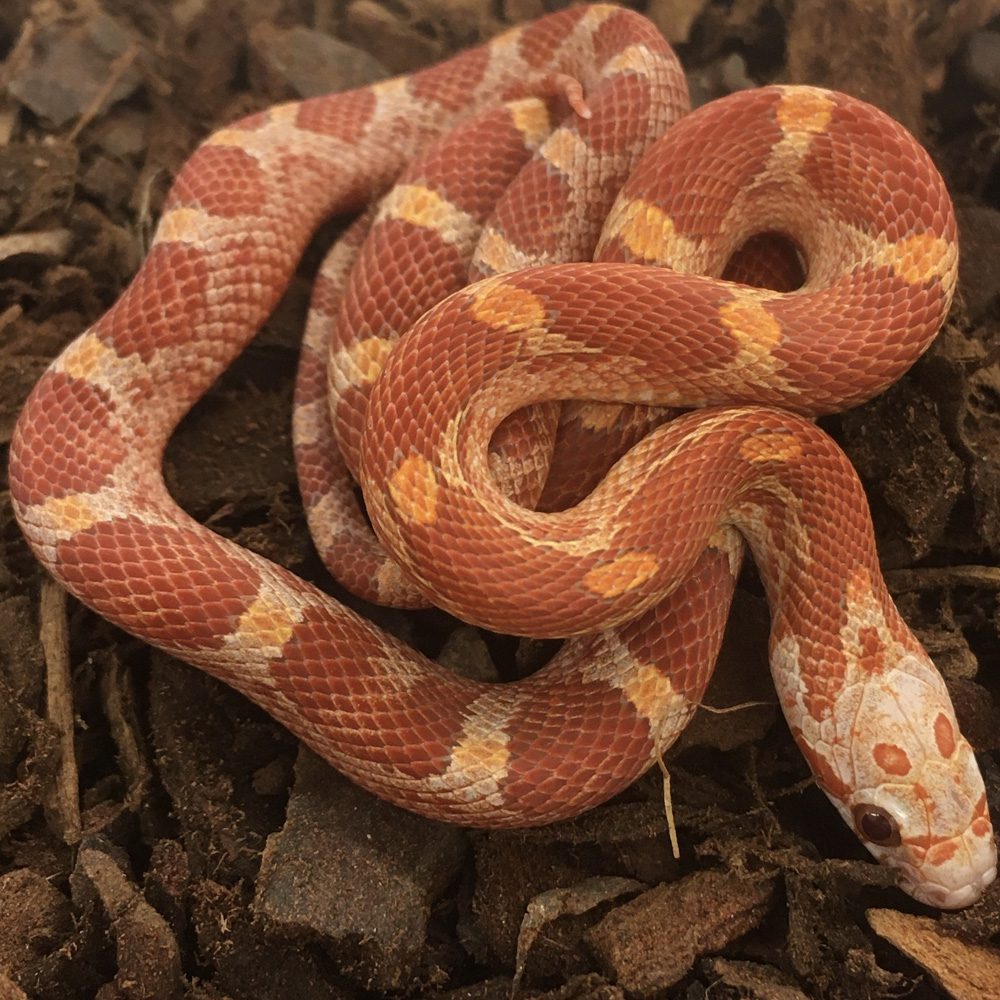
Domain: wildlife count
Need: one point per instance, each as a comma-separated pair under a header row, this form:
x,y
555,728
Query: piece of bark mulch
x,y
652,942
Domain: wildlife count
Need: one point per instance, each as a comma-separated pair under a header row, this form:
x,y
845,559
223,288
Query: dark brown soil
x,y
161,838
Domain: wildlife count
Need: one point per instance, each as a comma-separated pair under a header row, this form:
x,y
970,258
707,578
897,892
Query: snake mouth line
x,y
944,898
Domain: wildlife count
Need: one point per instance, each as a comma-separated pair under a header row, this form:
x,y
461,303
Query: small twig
x,y
115,73
10,315
738,707
116,695
62,803
902,581
668,808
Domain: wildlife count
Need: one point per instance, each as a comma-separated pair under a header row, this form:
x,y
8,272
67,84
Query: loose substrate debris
x,y
160,837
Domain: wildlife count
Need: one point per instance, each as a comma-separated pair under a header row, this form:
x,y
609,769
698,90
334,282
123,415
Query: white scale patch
x,y
335,518
91,360
649,691
311,422
478,763
497,255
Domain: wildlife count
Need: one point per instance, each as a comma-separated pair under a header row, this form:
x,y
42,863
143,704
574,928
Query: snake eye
x,y
874,824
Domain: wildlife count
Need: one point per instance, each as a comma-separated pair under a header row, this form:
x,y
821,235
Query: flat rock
x,y
302,62
69,68
357,873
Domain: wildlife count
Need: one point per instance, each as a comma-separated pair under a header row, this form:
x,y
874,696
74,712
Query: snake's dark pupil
x,y
876,826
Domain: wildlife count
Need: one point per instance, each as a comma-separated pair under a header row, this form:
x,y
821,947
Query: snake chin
x,y
947,898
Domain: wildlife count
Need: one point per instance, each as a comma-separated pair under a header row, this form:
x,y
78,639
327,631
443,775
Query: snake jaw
x,y
982,857
968,868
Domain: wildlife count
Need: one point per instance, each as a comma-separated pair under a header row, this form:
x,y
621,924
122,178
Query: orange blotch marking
x,y
922,258
565,151
422,207
268,623
414,489
871,656
621,575
71,514
86,356
924,842
827,777
531,118
650,692
804,109
775,446
507,307
645,229
182,224
634,59
944,735
754,329
481,757
362,362
981,826
942,852
892,759
497,254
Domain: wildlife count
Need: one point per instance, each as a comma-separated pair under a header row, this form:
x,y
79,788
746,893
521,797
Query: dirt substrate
x,y
160,837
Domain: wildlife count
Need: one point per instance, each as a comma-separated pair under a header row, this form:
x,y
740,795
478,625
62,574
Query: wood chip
x,y
964,971
62,801
653,941
52,243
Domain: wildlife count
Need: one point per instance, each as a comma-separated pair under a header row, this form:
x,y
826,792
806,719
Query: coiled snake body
x,y
642,568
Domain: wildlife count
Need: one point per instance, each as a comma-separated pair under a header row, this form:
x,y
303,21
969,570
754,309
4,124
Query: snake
x,y
608,268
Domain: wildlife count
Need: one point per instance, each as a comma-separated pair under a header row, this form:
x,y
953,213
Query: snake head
x,y
887,750
920,807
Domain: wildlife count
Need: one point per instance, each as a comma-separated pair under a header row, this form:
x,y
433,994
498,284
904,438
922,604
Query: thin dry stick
x,y
115,73
668,808
62,803
904,580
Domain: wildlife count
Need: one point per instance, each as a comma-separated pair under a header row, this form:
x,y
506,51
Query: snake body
x,y
641,570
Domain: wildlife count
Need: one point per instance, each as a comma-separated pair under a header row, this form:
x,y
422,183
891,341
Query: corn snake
x,y
89,495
